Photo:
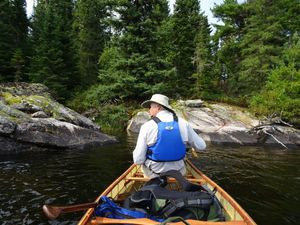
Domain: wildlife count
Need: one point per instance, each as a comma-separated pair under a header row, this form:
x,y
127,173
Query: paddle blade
x,y
51,212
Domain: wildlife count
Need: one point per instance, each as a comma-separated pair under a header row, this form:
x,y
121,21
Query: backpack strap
x,y
156,119
177,204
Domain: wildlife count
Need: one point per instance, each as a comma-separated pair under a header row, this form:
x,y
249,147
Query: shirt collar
x,y
163,112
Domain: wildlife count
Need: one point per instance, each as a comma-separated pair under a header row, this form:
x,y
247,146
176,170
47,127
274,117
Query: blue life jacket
x,y
169,145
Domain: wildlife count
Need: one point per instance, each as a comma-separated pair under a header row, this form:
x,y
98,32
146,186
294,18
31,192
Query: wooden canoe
x,y
132,179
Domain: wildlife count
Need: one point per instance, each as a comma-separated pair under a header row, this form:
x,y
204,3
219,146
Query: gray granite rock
x,y
223,124
31,118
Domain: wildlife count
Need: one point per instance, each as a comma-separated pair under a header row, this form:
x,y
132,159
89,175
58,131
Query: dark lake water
x,y
264,181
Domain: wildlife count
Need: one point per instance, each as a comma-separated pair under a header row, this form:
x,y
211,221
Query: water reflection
x,y
264,181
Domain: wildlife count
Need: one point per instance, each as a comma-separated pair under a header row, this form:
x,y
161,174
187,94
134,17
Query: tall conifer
x,y
261,45
14,31
205,76
227,41
91,32
186,23
140,23
53,59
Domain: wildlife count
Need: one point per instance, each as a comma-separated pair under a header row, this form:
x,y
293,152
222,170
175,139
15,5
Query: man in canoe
x,y
162,141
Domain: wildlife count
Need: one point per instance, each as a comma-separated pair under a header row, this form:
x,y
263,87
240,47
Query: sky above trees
x,y
206,6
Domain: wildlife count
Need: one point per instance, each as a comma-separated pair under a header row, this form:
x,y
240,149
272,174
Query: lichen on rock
x,y
29,115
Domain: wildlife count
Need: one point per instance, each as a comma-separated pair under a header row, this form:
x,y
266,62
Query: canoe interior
x,y
133,179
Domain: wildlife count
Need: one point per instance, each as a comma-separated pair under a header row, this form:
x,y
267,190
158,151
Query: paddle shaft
x,y
194,153
52,212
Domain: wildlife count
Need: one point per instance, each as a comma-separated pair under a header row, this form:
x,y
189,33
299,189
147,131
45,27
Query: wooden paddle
x,y
194,153
52,212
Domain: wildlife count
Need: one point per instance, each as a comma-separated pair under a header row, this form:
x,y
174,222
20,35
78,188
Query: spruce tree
x,y
53,59
186,24
6,36
227,40
206,78
143,66
91,32
261,45
14,31
21,52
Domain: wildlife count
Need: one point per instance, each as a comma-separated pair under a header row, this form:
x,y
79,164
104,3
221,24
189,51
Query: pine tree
x,y
249,44
261,45
227,41
53,60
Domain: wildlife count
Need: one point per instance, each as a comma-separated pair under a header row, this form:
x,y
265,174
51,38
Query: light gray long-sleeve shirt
x,y
148,136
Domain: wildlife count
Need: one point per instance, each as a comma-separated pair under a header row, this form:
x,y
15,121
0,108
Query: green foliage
x,y
91,31
82,101
113,117
227,40
115,83
53,59
143,62
281,94
5,40
13,39
205,76
261,45
186,24
18,63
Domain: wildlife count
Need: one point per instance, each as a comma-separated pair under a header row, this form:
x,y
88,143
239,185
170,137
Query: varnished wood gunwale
x,y
133,174
145,221
89,212
224,194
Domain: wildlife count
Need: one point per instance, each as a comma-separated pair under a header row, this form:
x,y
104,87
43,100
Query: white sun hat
x,y
159,99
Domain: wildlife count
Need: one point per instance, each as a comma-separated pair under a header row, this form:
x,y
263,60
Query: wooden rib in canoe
x,y
132,179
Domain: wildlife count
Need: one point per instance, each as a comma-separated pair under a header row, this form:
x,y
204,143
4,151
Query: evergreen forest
x,y
108,55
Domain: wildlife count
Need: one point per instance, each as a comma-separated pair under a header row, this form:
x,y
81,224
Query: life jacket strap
x,y
157,120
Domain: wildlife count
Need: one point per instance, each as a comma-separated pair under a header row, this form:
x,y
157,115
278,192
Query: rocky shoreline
x,y
222,124
31,119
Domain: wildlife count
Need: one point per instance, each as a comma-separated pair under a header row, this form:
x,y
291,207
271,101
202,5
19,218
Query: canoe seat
x,y
122,197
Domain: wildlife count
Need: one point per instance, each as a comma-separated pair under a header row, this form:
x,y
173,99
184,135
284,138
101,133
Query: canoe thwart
x,y
170,180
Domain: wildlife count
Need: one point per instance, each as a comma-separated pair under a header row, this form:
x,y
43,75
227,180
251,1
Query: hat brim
x,y
147,103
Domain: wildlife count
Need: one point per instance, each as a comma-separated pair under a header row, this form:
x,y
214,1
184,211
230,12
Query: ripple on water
x,y
263,181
